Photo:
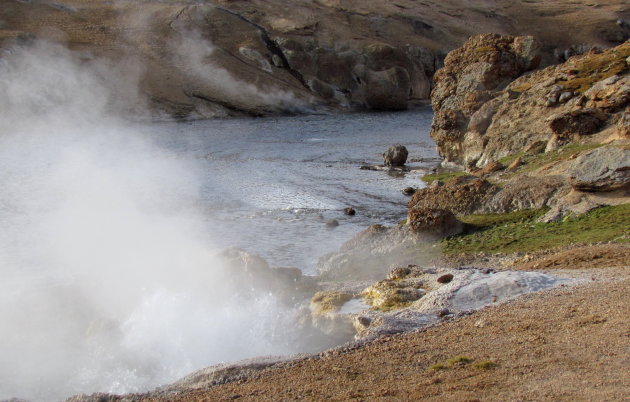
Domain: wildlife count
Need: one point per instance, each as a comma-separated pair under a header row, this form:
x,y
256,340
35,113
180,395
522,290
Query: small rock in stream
x,y
409,191
333,223
445,278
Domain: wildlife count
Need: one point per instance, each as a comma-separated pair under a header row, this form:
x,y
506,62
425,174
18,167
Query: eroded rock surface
x,y
562,130
462,196
602,169
488,106
257,57
473,75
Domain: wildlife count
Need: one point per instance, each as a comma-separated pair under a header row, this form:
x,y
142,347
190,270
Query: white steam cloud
x,y
107,280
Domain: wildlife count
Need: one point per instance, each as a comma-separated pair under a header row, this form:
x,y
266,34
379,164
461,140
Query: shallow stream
x,y
270,185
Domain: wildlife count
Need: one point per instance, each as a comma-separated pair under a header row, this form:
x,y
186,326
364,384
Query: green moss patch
x,y
483,221
444,176
597,67
513,232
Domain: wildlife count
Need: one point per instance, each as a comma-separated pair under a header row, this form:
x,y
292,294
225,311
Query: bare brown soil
x,y
571,343
598,256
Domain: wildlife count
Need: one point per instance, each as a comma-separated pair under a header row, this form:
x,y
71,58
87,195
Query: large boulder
x,y
462,196
573,123
472,75
438,222
527,192
396,155
602,169
610,94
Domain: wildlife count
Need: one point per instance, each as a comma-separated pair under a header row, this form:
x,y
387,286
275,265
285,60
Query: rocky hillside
x,y
556,138
227,57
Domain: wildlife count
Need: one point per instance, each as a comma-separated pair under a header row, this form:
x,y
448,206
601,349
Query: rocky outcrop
x,y
603,169
462,196
257,57
472,76
487,108
470,195
562,130
434,221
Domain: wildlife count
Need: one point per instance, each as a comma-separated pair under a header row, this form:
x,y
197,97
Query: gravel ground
x,y
569,343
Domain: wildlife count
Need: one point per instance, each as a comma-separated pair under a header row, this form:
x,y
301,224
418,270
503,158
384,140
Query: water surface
x,y
269,185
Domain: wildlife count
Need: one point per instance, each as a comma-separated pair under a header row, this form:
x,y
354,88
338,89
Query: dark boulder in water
x,y
408,191
396,155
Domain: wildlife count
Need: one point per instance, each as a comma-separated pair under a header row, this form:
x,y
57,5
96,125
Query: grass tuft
x,y
459,361
484,221
597,67
438,367
485,365
513,232
444,176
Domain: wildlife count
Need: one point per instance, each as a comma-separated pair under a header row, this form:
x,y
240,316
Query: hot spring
x,y
108,253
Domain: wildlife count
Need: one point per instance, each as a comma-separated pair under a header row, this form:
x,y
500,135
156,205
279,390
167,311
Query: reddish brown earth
x,y
566,344
571,343
599,256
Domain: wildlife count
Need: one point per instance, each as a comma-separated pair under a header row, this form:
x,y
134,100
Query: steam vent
x,y
267,200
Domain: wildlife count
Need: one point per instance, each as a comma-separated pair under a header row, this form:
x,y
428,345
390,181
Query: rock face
x,y
258,57
396,155
486,107
388,89
569,125
439,222
563,130
472,76
603,169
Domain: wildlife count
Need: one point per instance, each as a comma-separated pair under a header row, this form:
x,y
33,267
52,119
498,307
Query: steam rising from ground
x,y
193,54
108,283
